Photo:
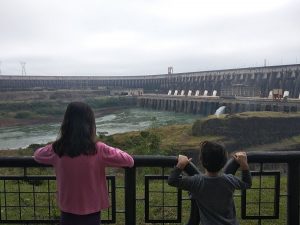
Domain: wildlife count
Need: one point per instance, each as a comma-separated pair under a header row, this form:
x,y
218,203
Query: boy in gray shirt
x,y
213,191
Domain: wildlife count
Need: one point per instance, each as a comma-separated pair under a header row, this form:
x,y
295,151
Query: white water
x,y
220,110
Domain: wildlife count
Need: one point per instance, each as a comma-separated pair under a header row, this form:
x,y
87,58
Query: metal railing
x,y
286,176
140,195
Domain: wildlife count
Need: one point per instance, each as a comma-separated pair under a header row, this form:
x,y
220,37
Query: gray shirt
x,y
214,195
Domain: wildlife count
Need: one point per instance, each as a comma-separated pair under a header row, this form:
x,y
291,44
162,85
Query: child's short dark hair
x,y
213,156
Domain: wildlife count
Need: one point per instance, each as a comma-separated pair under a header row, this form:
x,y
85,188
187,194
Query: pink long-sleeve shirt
x,y
81,181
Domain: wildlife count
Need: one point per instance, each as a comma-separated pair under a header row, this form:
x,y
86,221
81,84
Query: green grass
x,y
173,139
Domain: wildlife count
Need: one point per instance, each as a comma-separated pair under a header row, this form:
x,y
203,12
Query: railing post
x,y
293,193
130,195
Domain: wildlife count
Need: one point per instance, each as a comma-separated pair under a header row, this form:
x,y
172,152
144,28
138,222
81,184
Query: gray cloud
x,y
132,37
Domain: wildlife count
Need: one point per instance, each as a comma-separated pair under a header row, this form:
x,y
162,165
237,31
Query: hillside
x,y
250,129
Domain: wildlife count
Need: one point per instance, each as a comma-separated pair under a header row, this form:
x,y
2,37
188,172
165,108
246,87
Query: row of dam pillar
x,y
208,107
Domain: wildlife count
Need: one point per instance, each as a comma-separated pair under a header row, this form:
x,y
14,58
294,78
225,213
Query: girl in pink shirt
x,y
79,162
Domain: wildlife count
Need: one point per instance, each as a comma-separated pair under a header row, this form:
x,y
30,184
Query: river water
x,y
119,122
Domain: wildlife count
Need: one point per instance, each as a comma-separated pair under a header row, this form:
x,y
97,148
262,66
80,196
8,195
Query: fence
x,y
140,195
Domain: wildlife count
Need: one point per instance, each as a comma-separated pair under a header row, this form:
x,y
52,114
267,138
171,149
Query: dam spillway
x,y
208,105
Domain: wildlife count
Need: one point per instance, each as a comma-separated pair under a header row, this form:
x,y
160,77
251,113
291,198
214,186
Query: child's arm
x,y
246,182
114,157
45,155
185,183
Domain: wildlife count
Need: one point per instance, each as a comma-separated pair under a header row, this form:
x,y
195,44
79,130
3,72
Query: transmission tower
x,y
23,68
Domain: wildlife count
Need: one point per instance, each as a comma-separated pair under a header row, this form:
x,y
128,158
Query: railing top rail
x,y
274,156
19,161
139,161
160,160
265,157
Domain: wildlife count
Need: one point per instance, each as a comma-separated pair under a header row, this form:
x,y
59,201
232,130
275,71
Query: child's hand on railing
x,y
183,161
241,158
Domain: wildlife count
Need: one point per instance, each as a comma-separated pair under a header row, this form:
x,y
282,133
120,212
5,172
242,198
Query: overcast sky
x,y
140,37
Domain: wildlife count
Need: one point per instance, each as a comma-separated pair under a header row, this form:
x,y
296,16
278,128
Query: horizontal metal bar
x,y
18,161
25,206
166,192
35,177
28,192
159,161
251,203
29,221
139,161
273,157
263,188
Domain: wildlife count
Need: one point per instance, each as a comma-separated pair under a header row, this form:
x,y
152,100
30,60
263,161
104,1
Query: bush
x,y
147,143
145,134
144,143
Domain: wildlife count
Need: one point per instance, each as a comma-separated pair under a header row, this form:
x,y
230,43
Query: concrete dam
x,y
254,81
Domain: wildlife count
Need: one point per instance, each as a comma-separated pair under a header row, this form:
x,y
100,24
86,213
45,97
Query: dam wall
x,y
262,79
209,105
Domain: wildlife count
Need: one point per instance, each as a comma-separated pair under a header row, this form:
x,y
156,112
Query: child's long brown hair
x,y
77,132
